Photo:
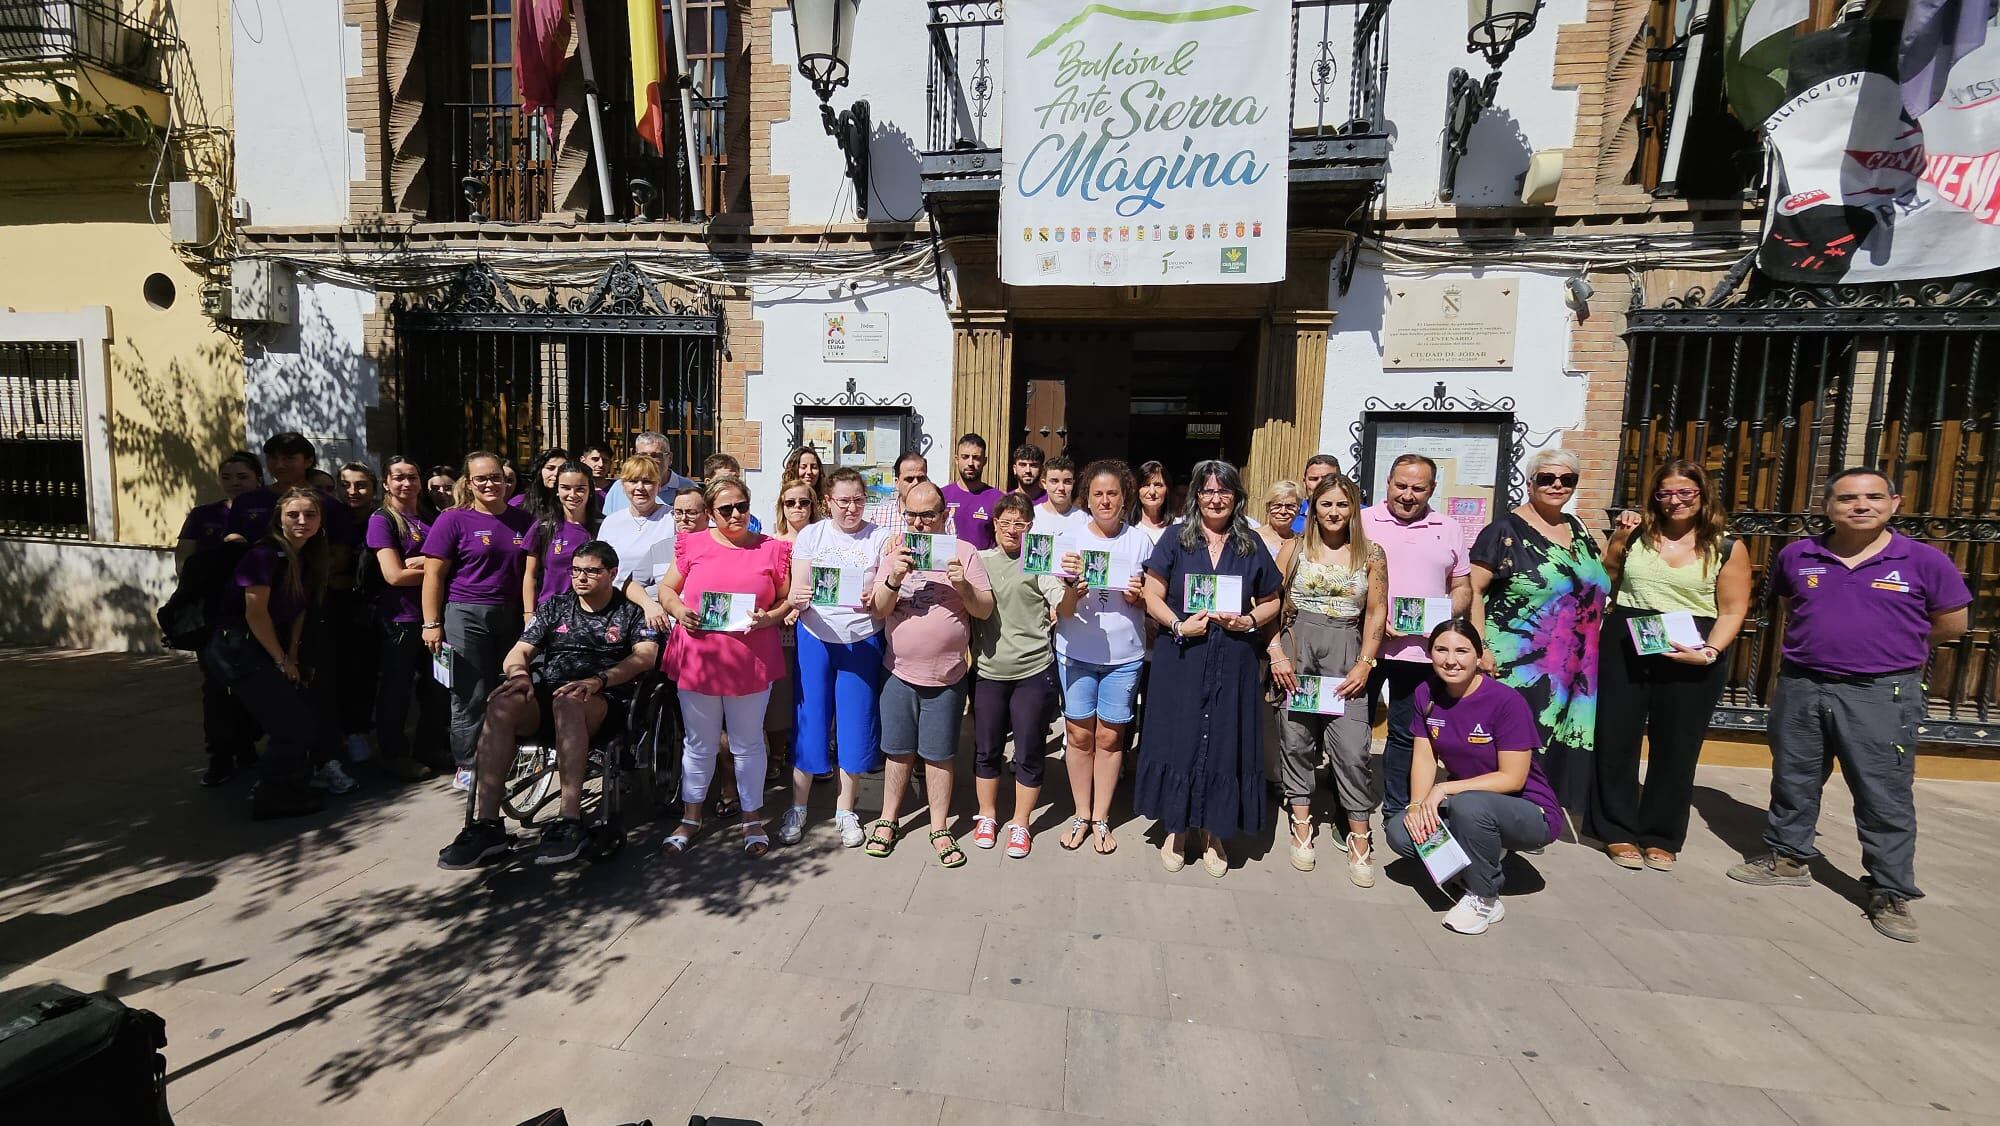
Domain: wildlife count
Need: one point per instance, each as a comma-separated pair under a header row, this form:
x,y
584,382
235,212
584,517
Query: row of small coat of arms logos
x,y
1141,232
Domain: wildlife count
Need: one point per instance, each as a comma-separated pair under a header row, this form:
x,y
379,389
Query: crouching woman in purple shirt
x,y
1496,798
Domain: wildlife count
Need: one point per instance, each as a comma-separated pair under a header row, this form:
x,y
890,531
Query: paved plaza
x,y
324,971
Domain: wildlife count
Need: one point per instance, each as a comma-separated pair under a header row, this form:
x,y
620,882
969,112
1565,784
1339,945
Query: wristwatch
x,y
603,681
1714,654
1372,662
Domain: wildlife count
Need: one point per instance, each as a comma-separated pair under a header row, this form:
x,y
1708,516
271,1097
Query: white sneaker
x,y
849,825
1474,913
792,826
334,780
462,780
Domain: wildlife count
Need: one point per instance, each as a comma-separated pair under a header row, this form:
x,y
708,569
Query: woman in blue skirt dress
x,y
1204,762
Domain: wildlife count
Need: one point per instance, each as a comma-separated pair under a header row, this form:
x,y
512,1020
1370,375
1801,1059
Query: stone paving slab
x,y
324,971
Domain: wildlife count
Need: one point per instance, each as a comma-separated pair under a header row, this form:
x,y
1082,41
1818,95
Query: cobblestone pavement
x,y
324,971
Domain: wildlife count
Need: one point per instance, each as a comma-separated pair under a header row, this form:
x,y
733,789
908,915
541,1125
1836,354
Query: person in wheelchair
x,y
564,674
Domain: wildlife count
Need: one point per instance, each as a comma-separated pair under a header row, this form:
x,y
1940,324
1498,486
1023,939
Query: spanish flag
x,y
648,84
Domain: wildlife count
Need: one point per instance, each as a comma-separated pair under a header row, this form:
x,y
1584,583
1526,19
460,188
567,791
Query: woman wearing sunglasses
x,y
1538,595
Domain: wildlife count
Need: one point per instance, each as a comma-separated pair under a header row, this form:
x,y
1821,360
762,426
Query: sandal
x,y
879,847
950,855
1625,856
726,807
755,842
1101,831
1302,853
1072,838
678,841
1660,860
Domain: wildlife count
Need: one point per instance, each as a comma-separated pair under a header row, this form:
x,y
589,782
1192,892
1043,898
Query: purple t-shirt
x,y
263,565
486,553
206,524
250,517
556,559
1468,734
399,603
971,513
1871,620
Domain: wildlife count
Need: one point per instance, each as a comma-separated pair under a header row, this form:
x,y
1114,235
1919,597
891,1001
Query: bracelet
x,y
433,625
1177,629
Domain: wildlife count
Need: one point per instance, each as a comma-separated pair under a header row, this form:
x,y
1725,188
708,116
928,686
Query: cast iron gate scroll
x,y
1773,391
482,365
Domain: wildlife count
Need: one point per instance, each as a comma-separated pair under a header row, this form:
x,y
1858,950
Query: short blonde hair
x,y
1280,489
1541,459
640,468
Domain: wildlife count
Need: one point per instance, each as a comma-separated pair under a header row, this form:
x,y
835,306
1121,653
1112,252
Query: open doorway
x,y
1172,392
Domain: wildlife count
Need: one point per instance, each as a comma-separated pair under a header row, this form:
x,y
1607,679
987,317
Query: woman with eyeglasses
x,y
1281,511
1203,769
566,519
837,679
395,536
1538,595
798,508
474,557
1014,657
728,591
1680,559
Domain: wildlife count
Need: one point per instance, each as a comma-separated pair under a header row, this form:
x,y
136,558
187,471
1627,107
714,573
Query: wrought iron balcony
x,y
503,165
1339,68
86,61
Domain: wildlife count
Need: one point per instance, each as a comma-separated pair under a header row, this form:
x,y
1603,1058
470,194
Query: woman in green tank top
x,y
1680,587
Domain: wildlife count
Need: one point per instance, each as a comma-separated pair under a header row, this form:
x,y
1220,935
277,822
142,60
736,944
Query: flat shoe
x,y
1215,864
1172,859
1625,856
1660,860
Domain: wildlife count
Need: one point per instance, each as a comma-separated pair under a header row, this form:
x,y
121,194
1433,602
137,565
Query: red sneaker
x,y
985,829
1019,842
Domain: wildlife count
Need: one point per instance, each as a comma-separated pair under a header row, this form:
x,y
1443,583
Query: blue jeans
x,y
1402,677
837,684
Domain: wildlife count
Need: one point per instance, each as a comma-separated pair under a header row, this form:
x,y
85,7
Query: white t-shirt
x,y
1048,523
825,545
1153,534
645,544
1104,629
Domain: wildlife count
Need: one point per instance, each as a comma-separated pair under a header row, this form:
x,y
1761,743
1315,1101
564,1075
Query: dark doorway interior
x,y
1176,393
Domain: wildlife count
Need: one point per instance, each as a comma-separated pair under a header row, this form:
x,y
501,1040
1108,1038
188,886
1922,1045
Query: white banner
x,y
1862,194
1145,146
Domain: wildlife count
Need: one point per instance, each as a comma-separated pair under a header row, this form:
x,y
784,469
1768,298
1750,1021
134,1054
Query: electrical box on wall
x,y
260,290
190,213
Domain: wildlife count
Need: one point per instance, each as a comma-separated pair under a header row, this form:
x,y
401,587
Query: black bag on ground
x,y
80,1057
189,612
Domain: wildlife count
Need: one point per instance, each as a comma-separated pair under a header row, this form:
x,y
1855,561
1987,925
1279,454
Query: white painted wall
x,y
83,595
1426,40
890,68
1547,396
313,376
294,155
920,344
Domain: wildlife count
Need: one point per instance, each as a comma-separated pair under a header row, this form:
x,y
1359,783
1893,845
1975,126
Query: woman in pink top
x,y
725,671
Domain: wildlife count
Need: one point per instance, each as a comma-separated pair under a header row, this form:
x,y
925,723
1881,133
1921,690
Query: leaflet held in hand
x,y
726,612
1442,856
1213,593
1040,554
930,551
837,586
1317,695
441,665
1417,617
1653,634
1106,570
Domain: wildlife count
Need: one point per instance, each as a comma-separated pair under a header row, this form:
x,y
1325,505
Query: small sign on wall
x,y
1433,324
854,338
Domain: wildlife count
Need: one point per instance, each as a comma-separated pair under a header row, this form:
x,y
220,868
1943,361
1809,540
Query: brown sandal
x,y
1660,860
1625,856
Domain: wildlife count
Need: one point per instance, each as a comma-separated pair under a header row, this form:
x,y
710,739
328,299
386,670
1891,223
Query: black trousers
x,y
227,730
1664,704
298,719
406,682
357,651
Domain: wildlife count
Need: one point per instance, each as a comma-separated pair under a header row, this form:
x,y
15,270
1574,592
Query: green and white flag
x,y
1145,142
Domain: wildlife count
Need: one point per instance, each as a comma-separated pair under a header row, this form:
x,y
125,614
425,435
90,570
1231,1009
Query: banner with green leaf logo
x,y
1145,143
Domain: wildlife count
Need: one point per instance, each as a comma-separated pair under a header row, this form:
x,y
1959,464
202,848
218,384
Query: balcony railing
x,y
1339,68
83,32
503,165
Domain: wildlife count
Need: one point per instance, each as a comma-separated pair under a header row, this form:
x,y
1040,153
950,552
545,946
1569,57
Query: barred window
x,y
42,491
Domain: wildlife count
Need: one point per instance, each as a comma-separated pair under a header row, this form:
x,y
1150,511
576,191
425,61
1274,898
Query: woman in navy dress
x,y
1204,762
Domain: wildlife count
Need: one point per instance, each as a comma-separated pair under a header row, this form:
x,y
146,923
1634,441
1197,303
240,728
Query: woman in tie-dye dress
x,y
1540,592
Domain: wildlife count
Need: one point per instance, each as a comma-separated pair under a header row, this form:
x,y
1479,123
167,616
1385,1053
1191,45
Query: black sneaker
x,y
269,804
562,842
220,770
1891,915
1770,869
476,844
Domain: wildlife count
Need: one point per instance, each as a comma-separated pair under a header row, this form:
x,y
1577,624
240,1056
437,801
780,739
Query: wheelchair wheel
x,y
531,784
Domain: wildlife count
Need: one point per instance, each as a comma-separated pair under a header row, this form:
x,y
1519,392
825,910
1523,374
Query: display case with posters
x,y
1475,452
855,430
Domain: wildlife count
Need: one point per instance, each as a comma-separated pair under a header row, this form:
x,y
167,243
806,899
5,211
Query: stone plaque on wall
x,y
1432,324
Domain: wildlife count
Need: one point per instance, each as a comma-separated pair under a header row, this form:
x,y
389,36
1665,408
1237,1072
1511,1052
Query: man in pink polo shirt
x,y
1427,559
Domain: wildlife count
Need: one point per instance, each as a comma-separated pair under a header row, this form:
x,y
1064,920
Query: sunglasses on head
x,y
1552,480
728,510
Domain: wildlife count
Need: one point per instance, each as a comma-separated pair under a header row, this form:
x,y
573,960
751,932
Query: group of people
x,y
1523,673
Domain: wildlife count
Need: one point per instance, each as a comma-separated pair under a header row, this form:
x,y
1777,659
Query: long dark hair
x,y
551,517
1711,523
422,504
1147,471
534,497
1239,529
305,568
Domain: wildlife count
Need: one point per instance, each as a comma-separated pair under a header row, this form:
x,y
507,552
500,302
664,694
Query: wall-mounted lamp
x,y
825,33
1577,292
1493,27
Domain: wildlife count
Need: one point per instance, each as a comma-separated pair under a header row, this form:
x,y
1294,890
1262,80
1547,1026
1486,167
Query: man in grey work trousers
x,y
1866,607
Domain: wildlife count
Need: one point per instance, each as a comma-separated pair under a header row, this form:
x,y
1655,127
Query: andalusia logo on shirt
x,y
1811,576
1478,734
485,537
1892,581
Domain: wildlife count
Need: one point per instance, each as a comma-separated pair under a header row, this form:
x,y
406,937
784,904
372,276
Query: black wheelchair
x,y
634,768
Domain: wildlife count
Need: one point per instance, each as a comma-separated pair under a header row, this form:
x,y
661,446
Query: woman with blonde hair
x,y
1336,601
1281,511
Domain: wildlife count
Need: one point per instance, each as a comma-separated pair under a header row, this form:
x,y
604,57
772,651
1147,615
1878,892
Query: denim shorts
x,y
1104,692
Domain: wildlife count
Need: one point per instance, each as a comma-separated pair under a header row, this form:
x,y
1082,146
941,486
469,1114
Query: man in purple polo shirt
x,y
1866,607
1427,559
970,500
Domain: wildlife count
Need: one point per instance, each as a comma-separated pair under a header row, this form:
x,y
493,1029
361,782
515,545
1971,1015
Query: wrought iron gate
x,y
483,366
1774,391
